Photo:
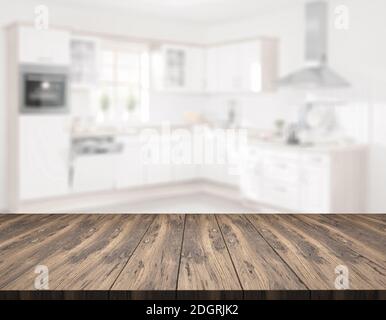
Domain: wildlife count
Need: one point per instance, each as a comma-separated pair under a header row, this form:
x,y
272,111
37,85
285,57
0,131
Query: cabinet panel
x,y
315,184
44,46
179,69
94,173
281,194
130,170
212,70
251,181
242,67
44,156
314,191
84,61
281,168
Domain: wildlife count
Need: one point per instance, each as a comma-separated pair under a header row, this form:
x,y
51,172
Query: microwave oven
x,y
44,89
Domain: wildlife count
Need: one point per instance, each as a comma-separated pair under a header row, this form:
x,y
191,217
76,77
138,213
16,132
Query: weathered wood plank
x,y
18,224
380,217
263,252
154,264
19,274
364,274
371,246
205,261
257,265
303,257
357,246
364,222
97,264
39,230
8,218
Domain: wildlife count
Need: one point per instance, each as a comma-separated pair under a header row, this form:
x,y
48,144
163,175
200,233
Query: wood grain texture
x,y
325,254
205,261
258,266
303,257
155,263
97,264
365,242
192,256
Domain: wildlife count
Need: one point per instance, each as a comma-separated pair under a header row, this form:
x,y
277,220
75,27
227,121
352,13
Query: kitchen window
x,y
124,82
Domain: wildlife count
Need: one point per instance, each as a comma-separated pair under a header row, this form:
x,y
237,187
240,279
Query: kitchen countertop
x,y
253,140
319,148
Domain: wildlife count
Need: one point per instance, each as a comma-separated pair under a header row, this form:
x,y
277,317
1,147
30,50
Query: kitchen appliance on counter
x,y
44,89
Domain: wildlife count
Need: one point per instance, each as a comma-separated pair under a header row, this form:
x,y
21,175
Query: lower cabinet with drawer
x,y
280,194
307,182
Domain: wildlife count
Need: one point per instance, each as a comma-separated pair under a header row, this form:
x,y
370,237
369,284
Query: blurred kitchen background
x,y
304,81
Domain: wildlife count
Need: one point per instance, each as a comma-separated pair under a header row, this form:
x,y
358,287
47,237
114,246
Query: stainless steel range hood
x,y
316,73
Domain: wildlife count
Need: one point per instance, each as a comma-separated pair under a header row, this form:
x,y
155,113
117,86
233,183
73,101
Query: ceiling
x,y
206,12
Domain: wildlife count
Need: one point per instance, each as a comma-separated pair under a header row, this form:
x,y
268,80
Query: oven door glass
x,y
44,91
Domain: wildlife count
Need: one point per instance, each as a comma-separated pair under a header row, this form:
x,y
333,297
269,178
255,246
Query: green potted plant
x,y
105,103
131,104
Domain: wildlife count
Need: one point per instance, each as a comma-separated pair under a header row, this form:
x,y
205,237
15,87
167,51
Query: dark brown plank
x,y
364,274
205,261
371,225
14,226
19,271
31,237
364,241
96,264
380,217
301,255
8,218
257,264
154,264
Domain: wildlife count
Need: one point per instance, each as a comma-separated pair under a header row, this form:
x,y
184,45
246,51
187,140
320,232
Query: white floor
x,y
197,203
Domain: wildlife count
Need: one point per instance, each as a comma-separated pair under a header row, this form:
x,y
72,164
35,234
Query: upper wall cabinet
x,y
178,69
242,67
84,61
48,47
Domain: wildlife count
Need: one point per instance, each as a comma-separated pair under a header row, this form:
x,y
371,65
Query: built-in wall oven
x,y
44,89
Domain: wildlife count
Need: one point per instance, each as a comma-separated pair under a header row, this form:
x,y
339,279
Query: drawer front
x,y
282,169
315,161
281,194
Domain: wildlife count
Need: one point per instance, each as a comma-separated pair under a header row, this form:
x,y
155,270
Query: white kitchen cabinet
x,y
179,69
212,69
157,169
94,173
84,61
242,67
44,156
130,170
218,166
315,181
307,182
47,47
280,194
182,157
250,178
